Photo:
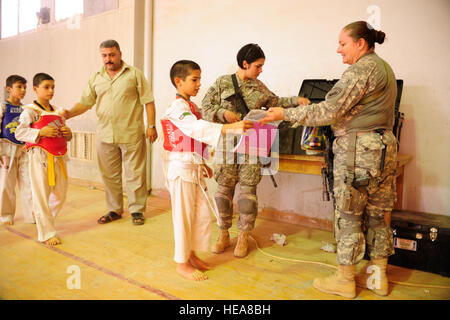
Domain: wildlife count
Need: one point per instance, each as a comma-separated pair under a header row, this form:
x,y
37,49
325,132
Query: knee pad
x,y
349,223
224,199
376,222
247,206
248,203
223,205
380,239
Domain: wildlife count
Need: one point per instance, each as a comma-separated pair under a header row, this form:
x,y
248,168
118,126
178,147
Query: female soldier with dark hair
x,y
228,100
360,109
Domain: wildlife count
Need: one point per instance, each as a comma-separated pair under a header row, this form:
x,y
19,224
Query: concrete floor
x,y
123,261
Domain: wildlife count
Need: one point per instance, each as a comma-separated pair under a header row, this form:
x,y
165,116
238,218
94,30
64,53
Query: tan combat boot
x,y
242,245
222,242
342,283
376,269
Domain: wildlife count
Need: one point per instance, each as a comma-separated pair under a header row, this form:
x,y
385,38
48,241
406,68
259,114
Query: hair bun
x,y
379,36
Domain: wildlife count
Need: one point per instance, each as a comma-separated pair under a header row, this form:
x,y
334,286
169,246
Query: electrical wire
x,y
335,267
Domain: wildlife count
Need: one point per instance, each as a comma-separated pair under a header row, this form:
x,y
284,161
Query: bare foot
x,y
187,271
53,241
197,262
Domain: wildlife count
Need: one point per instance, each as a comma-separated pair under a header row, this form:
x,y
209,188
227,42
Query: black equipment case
x,y
316,90
421,241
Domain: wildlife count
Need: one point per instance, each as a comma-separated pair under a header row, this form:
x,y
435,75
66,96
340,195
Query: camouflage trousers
x,y
362,222
227,176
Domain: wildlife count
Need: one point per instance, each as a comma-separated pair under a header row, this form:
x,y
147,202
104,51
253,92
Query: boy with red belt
x,y
43,129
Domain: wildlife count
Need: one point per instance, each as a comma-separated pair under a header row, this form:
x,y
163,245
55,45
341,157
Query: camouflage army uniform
x,y
360,209
230,169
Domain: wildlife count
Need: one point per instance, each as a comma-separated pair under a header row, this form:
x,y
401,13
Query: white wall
x,y
299,39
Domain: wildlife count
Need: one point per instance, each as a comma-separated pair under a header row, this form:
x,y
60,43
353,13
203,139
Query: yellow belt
x,y
51,168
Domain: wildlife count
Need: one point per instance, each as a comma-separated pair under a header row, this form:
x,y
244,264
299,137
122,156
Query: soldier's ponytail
x,y
379,36
362,29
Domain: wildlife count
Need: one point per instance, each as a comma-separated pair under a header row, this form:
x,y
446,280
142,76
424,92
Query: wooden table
x,y
313,164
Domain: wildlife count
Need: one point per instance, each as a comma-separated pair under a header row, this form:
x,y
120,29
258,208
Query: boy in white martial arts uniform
x,y
43,129
185,140
13,158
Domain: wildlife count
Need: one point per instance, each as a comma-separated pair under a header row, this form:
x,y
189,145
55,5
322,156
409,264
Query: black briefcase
x,y
421,241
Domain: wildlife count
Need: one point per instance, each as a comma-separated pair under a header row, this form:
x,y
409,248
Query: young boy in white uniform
x,y
13,158
185,139
43,129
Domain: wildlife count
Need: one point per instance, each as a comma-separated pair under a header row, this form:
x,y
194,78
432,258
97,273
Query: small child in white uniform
x,y
185,138
13,158
43,129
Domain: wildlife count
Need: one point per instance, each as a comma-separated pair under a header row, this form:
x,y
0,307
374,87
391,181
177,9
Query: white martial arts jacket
x,y
182,164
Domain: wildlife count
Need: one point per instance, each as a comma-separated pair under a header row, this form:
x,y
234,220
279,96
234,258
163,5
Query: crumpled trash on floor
x,y
279,239
328,247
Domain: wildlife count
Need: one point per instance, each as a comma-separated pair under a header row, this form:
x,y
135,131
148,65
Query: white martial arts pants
x,y
191,218
15,172
47,200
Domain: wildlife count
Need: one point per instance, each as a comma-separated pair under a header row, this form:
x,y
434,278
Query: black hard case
x,y
422,241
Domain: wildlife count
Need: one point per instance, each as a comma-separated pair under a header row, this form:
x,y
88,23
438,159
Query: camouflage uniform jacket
x,y
343,107
221,97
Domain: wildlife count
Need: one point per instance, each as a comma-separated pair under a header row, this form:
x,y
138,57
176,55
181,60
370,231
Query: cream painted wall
x,y
70,56
300,40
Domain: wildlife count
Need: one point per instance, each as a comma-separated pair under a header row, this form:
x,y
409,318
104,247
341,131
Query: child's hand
x,y
48,131
237,127
67,133
207,173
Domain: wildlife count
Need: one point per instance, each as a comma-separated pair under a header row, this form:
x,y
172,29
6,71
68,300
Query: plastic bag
x,y
313,139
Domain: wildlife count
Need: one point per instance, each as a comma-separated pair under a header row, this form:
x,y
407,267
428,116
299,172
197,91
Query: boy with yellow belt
x,y
43,129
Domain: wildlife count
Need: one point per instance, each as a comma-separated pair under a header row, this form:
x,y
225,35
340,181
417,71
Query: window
x,y
10,18
18,16
21,15
27,14
66,9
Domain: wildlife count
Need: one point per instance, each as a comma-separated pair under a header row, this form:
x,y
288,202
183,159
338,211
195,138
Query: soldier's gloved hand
x,y
303,101
231,117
